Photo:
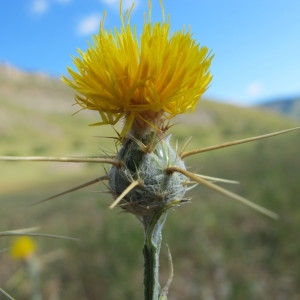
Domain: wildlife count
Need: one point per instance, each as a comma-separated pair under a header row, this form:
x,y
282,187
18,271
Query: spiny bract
x,y
145,162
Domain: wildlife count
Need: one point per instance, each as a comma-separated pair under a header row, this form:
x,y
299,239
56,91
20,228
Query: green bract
x,y
145,161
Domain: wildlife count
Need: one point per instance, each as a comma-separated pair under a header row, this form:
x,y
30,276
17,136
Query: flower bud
x,y
145,161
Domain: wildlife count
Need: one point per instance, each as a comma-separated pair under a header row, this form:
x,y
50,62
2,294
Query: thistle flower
x,y
141,80
22,248
145,81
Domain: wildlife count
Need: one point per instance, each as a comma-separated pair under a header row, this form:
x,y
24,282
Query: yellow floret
x,y
22,247
159,75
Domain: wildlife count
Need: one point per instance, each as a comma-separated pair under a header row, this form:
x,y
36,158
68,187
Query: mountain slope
x,y
36,119
289,107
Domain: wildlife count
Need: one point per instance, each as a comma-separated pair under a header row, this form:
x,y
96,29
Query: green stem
x,y
34,275
153,236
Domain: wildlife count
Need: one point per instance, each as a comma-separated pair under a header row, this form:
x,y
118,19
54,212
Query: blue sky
x,y
256,43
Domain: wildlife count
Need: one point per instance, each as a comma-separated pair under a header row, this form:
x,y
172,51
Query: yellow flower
x,y
142,80
22,248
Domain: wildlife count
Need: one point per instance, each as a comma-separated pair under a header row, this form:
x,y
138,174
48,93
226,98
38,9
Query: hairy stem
x,y
153,236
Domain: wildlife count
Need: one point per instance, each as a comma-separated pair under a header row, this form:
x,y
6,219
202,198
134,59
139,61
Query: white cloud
x,y
110,2
39,7
254,89
116,3
63,1
89,24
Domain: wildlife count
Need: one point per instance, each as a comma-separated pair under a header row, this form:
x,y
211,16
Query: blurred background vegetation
x,y
221,249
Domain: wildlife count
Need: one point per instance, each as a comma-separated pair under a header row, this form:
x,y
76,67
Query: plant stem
x,y
34,275
153,235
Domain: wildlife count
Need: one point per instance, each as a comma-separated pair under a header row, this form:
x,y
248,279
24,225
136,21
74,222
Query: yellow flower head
x,y
22,248
145,80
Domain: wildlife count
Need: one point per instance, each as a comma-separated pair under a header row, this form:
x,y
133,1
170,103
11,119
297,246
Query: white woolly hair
x,y
157,188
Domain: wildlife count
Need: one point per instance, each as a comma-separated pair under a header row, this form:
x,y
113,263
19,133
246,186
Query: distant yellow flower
x,y
22,248
141,80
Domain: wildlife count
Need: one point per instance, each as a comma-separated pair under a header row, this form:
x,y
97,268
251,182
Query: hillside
x,y
221,249
37,119
289,107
